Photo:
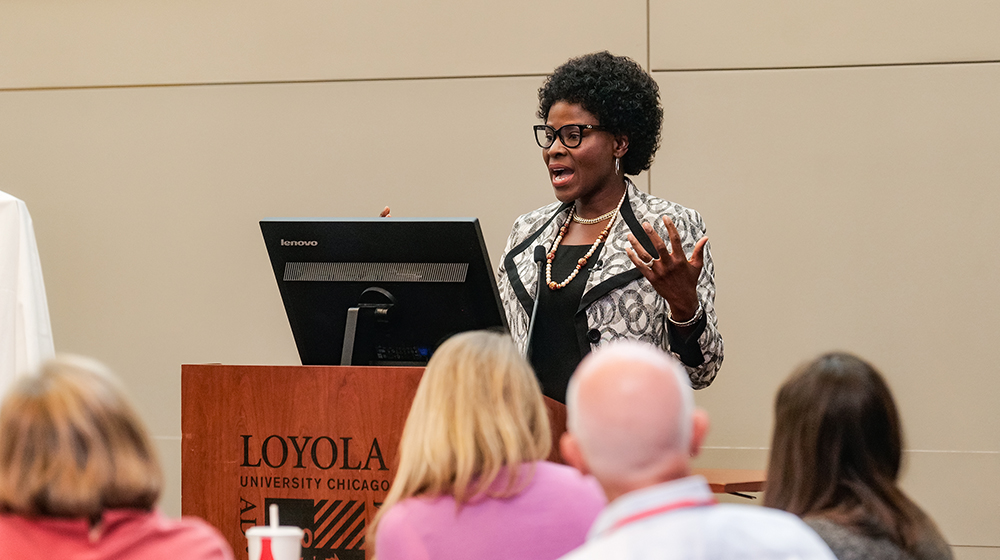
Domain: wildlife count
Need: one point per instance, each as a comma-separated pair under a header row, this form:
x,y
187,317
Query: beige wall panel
x,y
847,209
169,448
959,491
713,456
48,43
146,201
737,34
976,552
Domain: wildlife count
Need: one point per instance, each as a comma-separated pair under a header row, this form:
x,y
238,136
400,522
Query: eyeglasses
x,y
570,135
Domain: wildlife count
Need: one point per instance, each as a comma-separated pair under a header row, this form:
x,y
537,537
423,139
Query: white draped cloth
x,y
25,329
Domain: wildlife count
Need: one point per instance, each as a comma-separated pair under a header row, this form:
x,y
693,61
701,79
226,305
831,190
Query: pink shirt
x,y
547,519
125,534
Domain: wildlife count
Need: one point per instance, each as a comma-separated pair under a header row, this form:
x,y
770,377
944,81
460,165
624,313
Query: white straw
x,y
274,516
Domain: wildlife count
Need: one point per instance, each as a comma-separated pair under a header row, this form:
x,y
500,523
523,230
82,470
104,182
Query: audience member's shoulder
x,y
404,526
555,471
398,515
933,547
848,543
562,477
209,540
188,536
146,535
774,532
19,537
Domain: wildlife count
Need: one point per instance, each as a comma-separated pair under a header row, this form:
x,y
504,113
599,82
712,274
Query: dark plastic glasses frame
x,y
559,133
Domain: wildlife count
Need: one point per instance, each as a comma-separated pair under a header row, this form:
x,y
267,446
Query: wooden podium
x,y
319,441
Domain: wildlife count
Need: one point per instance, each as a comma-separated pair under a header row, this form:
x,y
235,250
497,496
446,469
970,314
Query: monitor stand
x,y
372,310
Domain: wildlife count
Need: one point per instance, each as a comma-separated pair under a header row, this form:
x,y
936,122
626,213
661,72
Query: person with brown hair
x,y
472,481
79,476
835,461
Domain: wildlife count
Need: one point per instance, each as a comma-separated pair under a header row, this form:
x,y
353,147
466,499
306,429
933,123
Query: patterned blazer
x,y
618,302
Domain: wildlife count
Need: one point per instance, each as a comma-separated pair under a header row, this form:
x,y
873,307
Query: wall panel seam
x,y
271,82
649,37
970,452
826,66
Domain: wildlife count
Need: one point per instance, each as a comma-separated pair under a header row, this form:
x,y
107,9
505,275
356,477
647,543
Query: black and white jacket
x,y
618,302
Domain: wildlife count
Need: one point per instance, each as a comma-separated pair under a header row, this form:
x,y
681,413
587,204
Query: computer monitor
x,y
381,291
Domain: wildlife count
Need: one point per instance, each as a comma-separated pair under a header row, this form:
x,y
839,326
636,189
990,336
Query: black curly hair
x,y
624,98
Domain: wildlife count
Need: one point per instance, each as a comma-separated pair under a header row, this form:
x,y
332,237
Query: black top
x,y
555,351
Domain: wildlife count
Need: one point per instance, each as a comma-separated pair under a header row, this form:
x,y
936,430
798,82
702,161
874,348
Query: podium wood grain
x,y
253,434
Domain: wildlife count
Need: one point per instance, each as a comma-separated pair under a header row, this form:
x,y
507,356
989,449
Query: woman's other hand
x,y
384,213
673,275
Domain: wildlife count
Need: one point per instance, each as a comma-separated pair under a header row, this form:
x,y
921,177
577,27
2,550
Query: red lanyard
x,y
661,509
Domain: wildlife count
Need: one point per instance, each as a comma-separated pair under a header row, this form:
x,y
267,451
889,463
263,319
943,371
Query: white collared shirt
x,y
673,521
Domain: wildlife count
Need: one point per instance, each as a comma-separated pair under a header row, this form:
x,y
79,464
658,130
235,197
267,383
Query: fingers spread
x,y
658,244
698,256
676,247
639,263
638,249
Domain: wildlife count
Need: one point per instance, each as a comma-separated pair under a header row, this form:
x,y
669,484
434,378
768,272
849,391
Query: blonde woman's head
x,y
72,446
478,410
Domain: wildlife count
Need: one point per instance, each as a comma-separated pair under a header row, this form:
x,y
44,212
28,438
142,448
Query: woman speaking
x,y
618,262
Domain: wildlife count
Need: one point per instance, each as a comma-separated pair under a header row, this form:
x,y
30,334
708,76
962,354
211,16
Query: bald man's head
x,y
631,414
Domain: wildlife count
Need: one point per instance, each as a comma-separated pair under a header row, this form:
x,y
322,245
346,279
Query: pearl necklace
x,y
591,221
583,261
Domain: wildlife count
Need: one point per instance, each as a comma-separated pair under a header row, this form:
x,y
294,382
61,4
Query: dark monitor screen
x,y
393,288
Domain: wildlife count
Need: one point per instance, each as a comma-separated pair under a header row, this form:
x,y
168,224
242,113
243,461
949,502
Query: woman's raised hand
x,y
384,213
672,274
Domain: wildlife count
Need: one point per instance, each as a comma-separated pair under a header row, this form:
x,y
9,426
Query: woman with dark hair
x,y
835,459
609,274
79,476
